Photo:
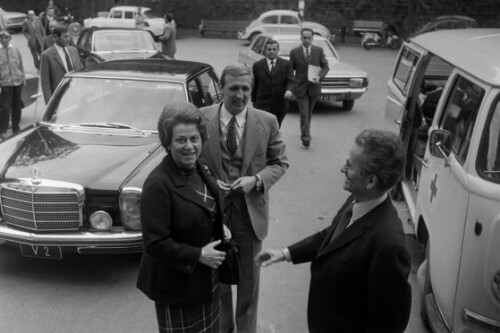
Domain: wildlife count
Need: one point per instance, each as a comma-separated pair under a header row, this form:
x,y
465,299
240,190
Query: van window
x,y
460,115
405,69
489,152
258,47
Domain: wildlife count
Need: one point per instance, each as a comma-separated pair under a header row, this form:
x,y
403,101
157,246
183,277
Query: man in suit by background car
x,y
307,58
360,263
58,60
273,80
34,32
247,156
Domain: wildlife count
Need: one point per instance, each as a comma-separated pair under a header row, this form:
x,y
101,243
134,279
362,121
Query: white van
x,y
444,94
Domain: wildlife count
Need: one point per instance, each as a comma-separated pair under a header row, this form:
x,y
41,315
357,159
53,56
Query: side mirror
x,y
440,143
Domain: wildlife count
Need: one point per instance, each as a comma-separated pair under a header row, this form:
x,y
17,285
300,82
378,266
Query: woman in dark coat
x,y
181,224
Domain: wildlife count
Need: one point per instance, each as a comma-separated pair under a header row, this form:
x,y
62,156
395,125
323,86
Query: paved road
x,y
97,293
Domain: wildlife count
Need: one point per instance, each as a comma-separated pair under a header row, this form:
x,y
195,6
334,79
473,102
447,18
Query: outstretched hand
x,y
268,257
210,256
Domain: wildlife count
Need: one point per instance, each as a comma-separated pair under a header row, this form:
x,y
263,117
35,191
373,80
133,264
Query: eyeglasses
x,y
347,166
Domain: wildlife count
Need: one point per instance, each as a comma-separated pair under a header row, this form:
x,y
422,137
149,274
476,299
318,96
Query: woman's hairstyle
x,y
179,113
383,155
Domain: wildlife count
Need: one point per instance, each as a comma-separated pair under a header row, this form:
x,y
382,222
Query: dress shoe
x,y
306,143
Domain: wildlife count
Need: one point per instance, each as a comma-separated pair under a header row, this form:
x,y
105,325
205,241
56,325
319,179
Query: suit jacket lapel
x,y
213,145
58,58
355,231
253,128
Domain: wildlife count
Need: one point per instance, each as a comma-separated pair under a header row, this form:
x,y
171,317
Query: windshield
x,y
287,45
489,156
99,100
123,41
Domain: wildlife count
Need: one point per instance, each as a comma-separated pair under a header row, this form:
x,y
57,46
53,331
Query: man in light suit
x,y
247,156
273,80
34,32
58,60
307,89
360,263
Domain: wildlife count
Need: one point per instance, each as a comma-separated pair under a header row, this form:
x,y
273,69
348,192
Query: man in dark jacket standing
x,y
360,263
273,82
310,66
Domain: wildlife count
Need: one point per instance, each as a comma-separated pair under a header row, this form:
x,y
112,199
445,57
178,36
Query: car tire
x,y
394,44
368,44
348,104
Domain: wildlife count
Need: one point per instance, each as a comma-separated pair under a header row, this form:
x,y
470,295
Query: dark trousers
x,y
11,105
306,105
248,288
279,111
36,57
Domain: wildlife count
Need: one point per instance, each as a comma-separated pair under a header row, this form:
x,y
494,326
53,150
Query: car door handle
x,y
398,122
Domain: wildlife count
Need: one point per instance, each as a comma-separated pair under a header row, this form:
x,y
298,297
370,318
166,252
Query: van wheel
x,y
426,286
369,44
348,104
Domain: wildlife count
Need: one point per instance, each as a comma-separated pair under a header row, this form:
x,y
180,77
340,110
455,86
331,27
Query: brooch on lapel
x,y
206,169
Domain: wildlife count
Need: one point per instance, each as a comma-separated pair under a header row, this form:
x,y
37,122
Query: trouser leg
x,y
36,57
5,108
17,106
248,288
305,118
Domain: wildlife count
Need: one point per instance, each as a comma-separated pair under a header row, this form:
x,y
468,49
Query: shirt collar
x,y
305,49
10,45
60,48
360,209
225,116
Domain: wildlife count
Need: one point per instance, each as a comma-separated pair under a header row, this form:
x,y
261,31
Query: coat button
x,y
188,267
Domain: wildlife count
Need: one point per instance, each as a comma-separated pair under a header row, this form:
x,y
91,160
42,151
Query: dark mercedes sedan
x,y
73,180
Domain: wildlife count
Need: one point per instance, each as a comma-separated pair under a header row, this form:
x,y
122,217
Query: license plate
x,y
329,98
41,251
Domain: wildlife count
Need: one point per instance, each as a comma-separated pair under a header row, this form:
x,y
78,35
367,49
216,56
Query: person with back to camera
x,y
360,263
168,43
181,219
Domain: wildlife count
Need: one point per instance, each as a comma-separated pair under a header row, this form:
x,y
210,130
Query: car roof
x,y
144,69
475,50
131,8
279,12
279,37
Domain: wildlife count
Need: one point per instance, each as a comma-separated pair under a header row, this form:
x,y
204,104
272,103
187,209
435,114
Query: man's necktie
x,y
344,221
308,55
272,66
68,60
231,142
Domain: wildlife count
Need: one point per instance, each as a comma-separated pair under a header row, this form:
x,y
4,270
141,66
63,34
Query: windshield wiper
x,y
112,125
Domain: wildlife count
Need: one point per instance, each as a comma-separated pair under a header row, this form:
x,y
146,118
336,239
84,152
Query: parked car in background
x,y
124,17
343,83
14,20
446,22
104,44
282,22
73,180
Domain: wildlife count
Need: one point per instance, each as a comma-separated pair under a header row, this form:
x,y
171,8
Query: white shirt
x,y
305,50
61,53
241,120
269,63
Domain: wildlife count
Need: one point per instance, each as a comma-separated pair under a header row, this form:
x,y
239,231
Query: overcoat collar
x,y
182,187
355,231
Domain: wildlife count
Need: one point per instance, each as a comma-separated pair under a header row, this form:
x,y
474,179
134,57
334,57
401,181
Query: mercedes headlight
x,y
130,203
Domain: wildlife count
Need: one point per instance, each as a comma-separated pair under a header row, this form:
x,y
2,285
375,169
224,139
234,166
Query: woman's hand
x,y
210,256
268,257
